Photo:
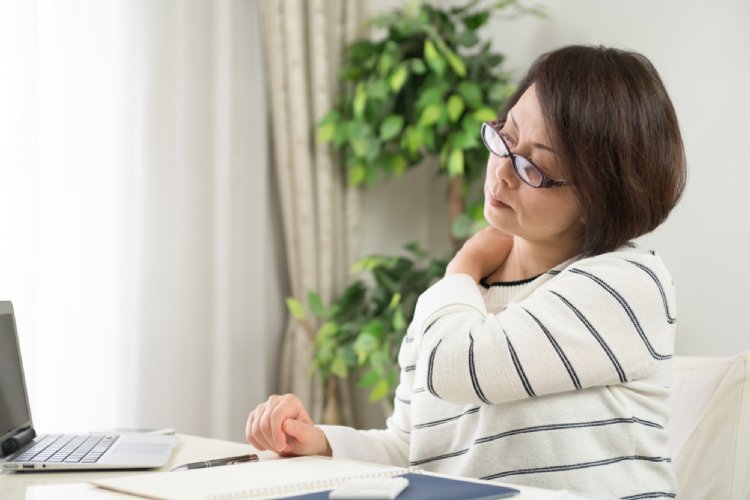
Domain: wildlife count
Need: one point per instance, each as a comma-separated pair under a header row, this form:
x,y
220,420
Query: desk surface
x,y
73,485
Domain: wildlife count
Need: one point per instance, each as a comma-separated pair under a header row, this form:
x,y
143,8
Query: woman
x,y
543,358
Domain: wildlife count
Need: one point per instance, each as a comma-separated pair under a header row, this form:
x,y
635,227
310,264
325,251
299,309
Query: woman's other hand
x,y
482,254
282,424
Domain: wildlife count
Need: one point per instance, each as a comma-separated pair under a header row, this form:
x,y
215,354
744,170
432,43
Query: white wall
x,y
702,51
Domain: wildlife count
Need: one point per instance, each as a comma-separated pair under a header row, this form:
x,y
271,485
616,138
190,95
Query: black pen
x,y
217,462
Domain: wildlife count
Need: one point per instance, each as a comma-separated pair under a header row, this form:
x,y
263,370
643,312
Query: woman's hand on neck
x,y
530,259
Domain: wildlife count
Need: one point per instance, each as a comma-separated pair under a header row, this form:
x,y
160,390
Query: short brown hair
x,y
616,132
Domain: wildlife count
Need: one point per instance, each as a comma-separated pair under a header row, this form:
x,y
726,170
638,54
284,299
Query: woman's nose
x,y
503,170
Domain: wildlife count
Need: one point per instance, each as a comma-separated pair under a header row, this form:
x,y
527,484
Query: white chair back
x,y
709,428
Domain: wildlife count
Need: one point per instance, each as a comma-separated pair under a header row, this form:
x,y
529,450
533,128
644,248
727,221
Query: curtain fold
x,y
321,213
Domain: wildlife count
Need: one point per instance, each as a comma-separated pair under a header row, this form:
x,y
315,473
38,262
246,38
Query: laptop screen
x,y
14,408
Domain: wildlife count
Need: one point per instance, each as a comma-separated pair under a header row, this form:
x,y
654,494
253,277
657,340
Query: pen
x,y
217,462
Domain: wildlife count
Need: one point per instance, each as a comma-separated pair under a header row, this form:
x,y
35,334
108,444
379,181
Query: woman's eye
x,y
508,138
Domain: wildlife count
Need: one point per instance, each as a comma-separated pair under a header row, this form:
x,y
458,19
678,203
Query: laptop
x,y
22,449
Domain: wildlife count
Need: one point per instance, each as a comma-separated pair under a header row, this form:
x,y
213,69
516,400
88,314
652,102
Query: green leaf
x,y
432,94
391,127
456,162
339,368
326,332
296,308
485,115
455,107
375,328
380,390
360,99
379,362
316,306
398,77
377,89
430,115
368,379
456,63
365,344
462,226
357,174
357,129
475,21
395,300
411,139
399,323
471,92
434,60
398,164
418,67
360,147
385,63
325,132
468,39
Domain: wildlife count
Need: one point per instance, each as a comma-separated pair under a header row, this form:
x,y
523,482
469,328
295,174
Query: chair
x,y
709,429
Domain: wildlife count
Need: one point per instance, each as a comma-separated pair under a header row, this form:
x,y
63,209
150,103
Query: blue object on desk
x,y
423,486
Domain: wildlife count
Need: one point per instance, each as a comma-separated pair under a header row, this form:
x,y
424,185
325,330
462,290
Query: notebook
x,y
312,477
22,449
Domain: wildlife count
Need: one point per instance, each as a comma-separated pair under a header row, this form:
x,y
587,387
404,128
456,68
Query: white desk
x,y
73,485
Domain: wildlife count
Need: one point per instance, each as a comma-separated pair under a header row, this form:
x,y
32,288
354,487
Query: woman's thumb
x,y
297,429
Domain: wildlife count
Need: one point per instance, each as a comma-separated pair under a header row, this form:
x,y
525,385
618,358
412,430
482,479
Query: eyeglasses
x,y
526,170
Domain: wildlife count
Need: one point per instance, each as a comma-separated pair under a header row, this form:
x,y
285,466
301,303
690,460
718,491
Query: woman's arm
x,y
390,445
603,320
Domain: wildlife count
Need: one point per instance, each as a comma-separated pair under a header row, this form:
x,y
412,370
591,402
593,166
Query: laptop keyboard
x,y
65,448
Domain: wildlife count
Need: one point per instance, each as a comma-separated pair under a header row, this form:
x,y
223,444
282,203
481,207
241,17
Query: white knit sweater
x,y
559,382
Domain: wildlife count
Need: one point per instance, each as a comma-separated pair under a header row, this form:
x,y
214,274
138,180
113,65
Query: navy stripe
x,y
445,420
653,276
430,369
628,310
473,372
439,457
560,353
583,465
519,368
405,401
418,390
409,368
571,425
650,494
592,330
408,340
429,326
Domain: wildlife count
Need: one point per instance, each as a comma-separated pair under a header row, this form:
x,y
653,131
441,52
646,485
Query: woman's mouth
x,y
495,202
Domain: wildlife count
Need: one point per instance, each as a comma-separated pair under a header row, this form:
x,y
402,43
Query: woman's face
x,y
545,216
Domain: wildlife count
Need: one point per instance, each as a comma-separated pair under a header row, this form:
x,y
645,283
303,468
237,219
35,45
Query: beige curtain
x,y
321,214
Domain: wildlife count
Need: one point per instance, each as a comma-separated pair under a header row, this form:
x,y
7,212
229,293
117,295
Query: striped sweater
x,y
559,382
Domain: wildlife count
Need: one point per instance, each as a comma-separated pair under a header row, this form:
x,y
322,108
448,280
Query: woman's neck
x,y
527,260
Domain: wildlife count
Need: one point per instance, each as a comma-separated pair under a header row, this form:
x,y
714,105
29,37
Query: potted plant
x,y
419,92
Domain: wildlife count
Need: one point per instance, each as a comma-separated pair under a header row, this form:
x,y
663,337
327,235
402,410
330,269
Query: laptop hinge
x,y
19,440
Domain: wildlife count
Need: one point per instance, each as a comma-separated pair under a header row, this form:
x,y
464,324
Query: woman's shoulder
x,y
632,267
631,256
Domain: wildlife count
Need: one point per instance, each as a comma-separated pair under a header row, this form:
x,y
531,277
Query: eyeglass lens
x,y
523,167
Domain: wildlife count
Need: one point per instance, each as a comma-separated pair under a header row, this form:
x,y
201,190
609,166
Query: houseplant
x,y
419,92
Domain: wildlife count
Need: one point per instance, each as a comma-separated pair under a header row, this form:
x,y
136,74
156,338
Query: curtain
x,y
321,215
140,242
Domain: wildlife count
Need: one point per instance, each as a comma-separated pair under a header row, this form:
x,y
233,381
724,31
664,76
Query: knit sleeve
x,y
604,320
389,445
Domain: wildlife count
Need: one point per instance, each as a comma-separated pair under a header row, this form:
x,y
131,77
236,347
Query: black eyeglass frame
x,y
546,182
